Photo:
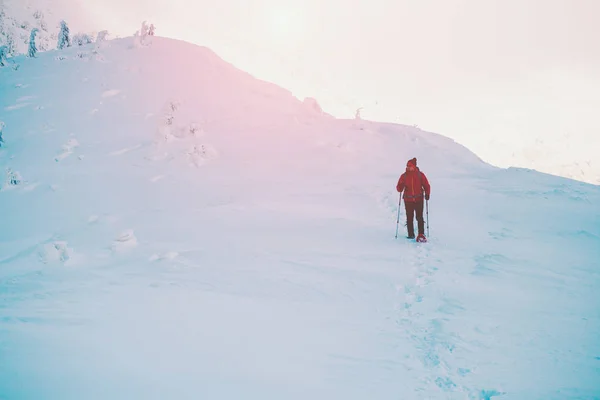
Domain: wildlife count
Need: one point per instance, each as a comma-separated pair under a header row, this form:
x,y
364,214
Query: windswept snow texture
x,y
174,229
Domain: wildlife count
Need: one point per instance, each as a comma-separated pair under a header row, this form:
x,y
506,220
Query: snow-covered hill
x,y
174,228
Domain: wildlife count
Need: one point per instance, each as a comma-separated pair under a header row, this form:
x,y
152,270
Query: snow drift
x,y
174,228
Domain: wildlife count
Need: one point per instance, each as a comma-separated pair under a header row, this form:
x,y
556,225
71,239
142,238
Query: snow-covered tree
x,y
143,36
10,42
101,36
146,34
357,115
32,47
3,53
144,30
2,26
63,36
7,33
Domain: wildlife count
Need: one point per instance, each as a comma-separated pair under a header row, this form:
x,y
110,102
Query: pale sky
x,y
495,75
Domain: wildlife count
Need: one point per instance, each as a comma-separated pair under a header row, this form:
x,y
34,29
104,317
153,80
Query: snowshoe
x,y
421,238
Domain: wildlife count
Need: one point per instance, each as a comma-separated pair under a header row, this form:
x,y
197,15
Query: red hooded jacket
x,y
413,182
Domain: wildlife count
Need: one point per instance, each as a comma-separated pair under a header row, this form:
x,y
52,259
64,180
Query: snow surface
x,y
174,228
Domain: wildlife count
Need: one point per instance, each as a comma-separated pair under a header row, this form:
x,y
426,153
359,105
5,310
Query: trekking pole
x,y
398,219
427,207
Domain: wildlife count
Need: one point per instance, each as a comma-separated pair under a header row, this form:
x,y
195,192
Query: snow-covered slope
x,y
177,229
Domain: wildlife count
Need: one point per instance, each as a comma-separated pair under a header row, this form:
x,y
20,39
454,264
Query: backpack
x,y
419,190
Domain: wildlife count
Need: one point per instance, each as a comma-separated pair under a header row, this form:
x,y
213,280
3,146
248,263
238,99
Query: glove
x,y
426,197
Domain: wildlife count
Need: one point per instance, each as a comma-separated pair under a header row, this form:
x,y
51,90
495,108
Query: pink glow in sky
x,y
494,75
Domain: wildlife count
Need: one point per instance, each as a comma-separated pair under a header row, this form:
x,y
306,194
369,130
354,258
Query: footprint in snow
x,y
411,297
421,281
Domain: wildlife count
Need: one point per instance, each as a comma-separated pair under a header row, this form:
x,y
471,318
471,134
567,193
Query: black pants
x,y
411,209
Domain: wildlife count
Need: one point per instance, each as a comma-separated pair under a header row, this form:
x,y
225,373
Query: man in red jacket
x,y
415,185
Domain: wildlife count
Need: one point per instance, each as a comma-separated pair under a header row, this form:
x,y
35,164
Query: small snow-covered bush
x,y
82,39
200,154
170,109
54,252
82,55
195,129
167,130
13,178
2,125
